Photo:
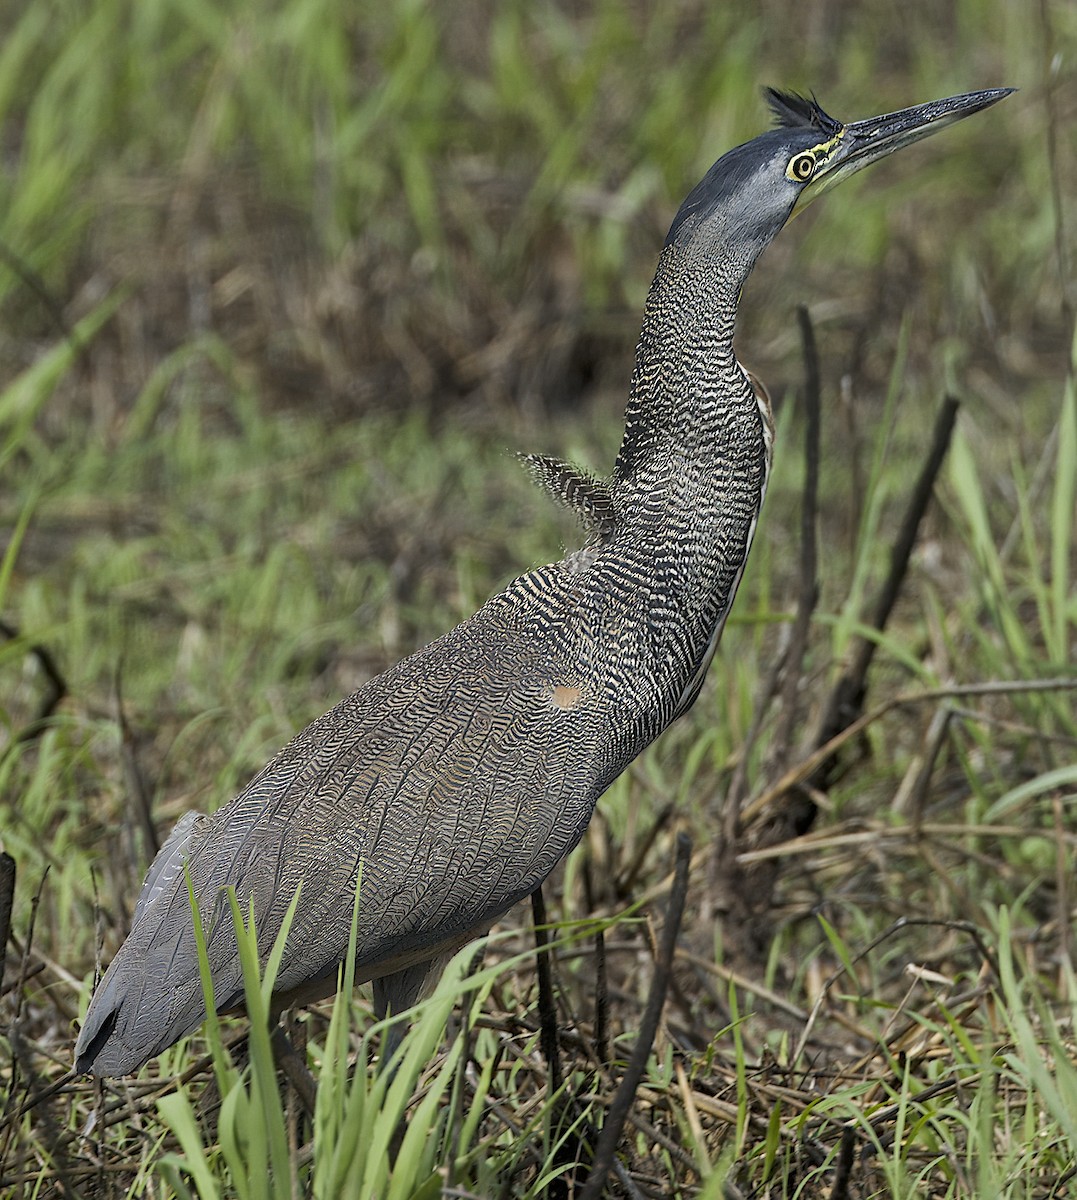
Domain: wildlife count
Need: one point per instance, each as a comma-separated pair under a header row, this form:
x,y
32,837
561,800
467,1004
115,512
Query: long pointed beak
x,y
863,142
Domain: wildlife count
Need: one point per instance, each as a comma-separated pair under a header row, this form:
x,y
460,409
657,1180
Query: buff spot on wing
x,y
566,697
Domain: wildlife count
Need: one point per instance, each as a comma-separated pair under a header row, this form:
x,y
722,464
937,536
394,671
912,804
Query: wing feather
x,y
453,778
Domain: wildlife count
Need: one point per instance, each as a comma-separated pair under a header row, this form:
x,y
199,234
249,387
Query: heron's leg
x,y
395,994
294,1066
547,1001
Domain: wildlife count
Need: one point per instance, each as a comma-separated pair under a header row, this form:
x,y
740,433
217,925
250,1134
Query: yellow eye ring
x,y
802,168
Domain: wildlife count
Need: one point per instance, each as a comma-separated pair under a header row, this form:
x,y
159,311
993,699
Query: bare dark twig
x,y
602,1001
914,799
7,1126
7,898
133,773
602,997
809,514
57,688
626,879
30,279
843,1169
846,701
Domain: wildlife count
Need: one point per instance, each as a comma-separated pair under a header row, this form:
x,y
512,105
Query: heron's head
x,y
749,194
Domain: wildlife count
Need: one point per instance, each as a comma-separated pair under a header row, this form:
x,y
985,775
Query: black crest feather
x,y
793,111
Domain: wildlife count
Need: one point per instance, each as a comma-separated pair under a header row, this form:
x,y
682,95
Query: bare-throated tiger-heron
x,y
457,780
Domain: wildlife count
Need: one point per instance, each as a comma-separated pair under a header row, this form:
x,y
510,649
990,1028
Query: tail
x,y
151,995
139,1009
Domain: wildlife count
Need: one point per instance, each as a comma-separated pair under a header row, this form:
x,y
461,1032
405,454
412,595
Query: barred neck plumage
x,y
690,401
693,420
688,484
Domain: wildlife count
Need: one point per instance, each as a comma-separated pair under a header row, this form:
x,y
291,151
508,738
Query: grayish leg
x,y
395,994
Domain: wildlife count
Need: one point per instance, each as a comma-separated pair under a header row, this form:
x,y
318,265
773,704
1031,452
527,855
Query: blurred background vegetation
x,y
282,286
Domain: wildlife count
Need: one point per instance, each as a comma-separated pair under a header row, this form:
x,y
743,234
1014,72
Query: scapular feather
x,y
577,490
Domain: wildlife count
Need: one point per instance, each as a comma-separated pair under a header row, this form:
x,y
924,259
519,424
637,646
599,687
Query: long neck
x,y
690,476
693,426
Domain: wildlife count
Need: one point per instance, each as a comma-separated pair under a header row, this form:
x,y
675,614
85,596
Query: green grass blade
x,y
1063,509
176,1110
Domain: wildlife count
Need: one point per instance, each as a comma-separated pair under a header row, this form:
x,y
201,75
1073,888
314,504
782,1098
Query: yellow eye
x,y
802,168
